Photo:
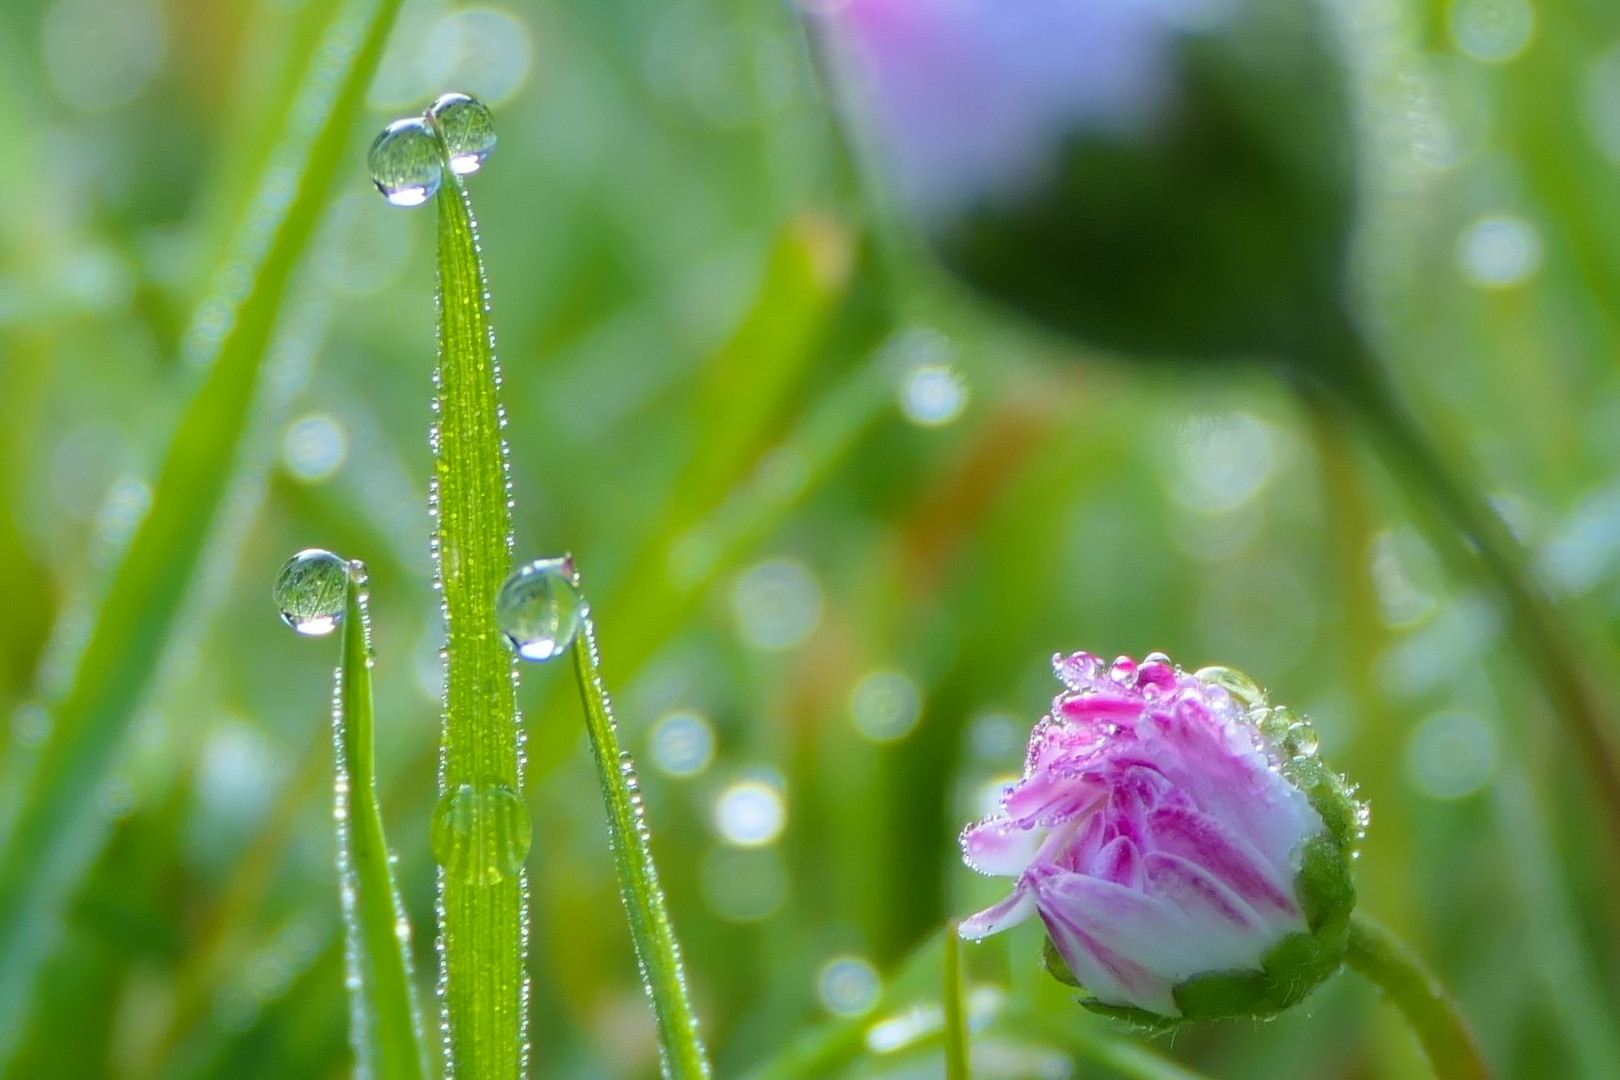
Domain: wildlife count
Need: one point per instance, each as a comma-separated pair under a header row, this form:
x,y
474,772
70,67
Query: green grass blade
x,y
483,924
385,1023
957,1055
58,829
657,950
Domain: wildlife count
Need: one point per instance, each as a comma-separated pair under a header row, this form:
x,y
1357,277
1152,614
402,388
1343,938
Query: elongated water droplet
x,y
405,162
1243,689
468,129
481,834
310,590
1301,739
539,608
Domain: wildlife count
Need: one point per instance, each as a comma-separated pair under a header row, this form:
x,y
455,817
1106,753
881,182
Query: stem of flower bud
x,y
1433,1016
1558,653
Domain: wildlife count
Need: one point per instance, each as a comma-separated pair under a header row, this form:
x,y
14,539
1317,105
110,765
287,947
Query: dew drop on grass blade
x,y
318,592
481,825
543,613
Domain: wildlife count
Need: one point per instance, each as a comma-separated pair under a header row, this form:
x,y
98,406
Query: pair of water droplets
x,y
481,832
408,159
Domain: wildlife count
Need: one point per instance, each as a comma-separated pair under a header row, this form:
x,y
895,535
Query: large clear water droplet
x,y
481,834
310,591
539,609
1243,689
405,162
468,129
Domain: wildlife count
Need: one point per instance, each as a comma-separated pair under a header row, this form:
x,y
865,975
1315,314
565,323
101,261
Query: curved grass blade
x,y
957,1054
657,950
483,923
385,1025
57,830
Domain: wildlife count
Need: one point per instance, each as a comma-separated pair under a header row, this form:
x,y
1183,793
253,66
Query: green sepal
x,y
1130,1015
1056,966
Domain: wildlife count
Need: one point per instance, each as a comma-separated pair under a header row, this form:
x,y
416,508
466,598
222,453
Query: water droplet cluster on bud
x,y
539,609
481,833
310,591
408,159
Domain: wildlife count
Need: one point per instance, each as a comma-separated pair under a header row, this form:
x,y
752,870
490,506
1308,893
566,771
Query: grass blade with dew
x,y
542,611
957,1036
58,829
385,1020
657,951
481,830
317,593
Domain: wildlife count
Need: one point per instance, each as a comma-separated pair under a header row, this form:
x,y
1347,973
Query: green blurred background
x,y
834,518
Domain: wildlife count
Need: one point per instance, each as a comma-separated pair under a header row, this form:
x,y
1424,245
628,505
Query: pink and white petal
x,y
1000,847
1111,978
1119,861
1143,929
998,917
1232,860
1227,933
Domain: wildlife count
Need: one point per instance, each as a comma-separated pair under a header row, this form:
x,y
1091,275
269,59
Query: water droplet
x,y
310,591
683,744
885,705
849,986
1301,740
1243,689
750,814
405,162
481,835
539,609
468,130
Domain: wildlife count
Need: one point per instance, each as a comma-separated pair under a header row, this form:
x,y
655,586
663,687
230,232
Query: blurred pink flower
x,y
1158,832
970,98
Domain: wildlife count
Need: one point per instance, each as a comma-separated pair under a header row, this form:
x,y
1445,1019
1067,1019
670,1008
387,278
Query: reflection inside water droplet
x,y
481,834
539,609
468,130
310,591
405,162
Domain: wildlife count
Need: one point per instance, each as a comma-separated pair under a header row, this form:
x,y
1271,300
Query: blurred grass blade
x,y
385,1025
657,950
58,827
483,917
957,1038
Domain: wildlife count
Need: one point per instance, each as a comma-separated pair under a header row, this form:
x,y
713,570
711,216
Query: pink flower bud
x,y
1186,849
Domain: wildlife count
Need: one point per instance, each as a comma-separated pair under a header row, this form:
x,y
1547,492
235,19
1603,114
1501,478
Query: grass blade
x,y
657,950
957,1055
58,830
483,923
385,1023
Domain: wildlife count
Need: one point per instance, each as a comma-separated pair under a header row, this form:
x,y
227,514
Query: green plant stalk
x,y
1585,710
1433,1016
657,950
385,1022
58,828
957,1038
483,927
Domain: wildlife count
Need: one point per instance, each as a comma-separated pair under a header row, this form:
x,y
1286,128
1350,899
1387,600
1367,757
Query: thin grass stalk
x,y
658,952
958,1055
483,924
385,1026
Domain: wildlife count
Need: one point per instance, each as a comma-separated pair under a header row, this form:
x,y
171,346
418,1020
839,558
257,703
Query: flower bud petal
x,y
1185,864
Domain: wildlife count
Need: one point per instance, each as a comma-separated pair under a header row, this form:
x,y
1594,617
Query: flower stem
x,y
657,950
1433,1016
1549,644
